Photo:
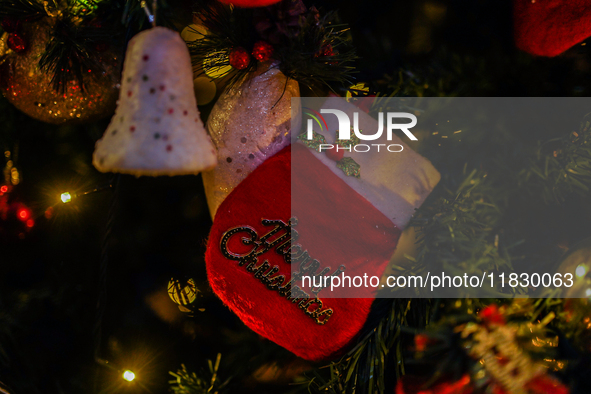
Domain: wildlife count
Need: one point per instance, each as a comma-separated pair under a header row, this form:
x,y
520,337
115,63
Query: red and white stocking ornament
x,y
550,27
249,123
301,212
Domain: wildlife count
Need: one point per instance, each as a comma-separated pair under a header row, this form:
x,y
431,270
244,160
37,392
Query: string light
x,y
49,213
128,375
66,197
24,214
581,271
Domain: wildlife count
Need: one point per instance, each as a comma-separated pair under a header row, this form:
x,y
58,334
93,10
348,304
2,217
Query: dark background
x,y
49,280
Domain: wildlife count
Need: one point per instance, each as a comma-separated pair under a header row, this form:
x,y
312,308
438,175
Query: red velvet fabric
x,y
550,27
336,225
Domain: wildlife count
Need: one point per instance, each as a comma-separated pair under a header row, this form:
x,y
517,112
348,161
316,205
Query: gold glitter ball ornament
x,y
30,89
182,294
575,269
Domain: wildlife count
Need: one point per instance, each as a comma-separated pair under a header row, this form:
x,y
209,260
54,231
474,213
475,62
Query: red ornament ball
x,y
250,3
16,43
239,58
262,51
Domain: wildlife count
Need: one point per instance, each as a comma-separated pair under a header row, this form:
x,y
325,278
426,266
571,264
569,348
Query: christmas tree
x,y
145,143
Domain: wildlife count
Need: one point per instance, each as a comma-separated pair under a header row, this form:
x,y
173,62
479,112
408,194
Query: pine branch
x,y
228,29
560,167
21,9
458,233
300,59
204,382
379,353
308,48
445,347
69,55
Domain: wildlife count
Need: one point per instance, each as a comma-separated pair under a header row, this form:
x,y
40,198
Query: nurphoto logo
x,y
344,129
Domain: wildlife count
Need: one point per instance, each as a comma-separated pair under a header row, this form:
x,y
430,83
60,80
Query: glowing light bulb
x,y
66,197
128,375
588,293
24,214
581,271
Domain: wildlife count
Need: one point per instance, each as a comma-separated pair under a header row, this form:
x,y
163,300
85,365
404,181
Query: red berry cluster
x,y
327,51
492,315
15,40
240,58
262,51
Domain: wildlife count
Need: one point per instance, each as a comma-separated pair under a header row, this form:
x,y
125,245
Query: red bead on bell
x,y
239,58
262,51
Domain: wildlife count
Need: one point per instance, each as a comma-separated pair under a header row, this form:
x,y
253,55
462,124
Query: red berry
x,y
421,342
326,50
335,155
16,43
10,25
492,315
239,58
262,51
